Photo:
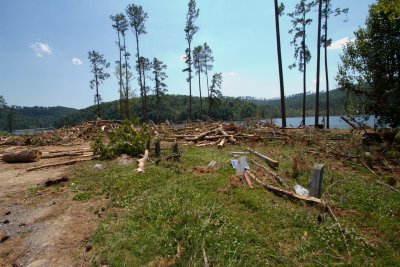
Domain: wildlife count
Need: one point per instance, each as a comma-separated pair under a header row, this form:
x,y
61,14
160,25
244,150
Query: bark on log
x,y
30,155
142,161
271,162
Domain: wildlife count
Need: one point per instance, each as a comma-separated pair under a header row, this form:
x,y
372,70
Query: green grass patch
x,y
244,227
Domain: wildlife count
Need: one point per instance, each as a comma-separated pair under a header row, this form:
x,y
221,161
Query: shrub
x,y
125,140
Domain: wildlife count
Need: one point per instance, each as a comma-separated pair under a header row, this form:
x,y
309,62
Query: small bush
x,y
125,140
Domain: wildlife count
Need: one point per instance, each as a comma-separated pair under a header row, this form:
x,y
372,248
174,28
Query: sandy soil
x,y
45,227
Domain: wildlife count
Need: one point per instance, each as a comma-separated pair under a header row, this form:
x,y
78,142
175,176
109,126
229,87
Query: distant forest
x,y
173,108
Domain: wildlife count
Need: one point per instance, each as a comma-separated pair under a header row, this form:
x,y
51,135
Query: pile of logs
x,y
214,134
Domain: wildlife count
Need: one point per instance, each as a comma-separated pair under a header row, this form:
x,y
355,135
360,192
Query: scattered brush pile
x,y
123,140
86,131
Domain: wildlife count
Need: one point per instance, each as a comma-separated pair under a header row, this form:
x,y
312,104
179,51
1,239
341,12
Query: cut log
x,y
222,143
142,161
246,176
292,195
230,137
65,154
70,162
55,181
271,162
30,155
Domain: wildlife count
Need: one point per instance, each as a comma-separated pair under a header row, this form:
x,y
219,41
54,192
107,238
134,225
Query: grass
x,y
170,204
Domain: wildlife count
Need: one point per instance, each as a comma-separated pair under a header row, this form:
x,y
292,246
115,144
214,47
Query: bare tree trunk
x,y
201,104
190,83
208,93
326,63
278,44
304,79
318,65
120,76
139,70
97,97
144,93
126,82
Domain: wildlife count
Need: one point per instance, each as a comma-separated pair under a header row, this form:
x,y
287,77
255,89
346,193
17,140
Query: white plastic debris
x,y
301,190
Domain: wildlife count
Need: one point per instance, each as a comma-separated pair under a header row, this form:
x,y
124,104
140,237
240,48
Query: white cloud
x,y
41,49
76,61
340,44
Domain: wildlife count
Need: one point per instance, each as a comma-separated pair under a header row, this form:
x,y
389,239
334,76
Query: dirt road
x,y
44,226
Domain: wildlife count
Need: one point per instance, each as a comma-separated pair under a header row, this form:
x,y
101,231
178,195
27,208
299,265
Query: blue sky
x,y
44,46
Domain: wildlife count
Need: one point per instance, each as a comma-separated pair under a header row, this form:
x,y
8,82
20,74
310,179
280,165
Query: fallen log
x,y
26,156
70,162
65,154
246,175
292,195
222,143
271,162
230,137
142,161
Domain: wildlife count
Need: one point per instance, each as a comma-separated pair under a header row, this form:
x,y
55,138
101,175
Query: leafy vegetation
x,y
370,68
124,140
152,213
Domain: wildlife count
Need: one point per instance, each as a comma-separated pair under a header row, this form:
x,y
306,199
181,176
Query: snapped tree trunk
x,y
304,79
201,105
190,83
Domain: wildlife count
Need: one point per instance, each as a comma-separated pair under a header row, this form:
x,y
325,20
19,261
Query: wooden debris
x,y
292,195
271,162
63,154
221,144
247,174
142,161
276,177
26,156
70,162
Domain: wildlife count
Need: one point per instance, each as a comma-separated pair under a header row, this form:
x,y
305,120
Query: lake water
x,y
334,122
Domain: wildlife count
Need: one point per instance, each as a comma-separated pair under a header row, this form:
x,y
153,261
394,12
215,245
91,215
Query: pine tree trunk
x,y
326,63
190,83
97,97
120,76
318,65
201,104
208,93
140,71
126,82
304,78
278,44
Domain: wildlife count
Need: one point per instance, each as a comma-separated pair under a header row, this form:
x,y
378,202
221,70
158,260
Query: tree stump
x,y
26,156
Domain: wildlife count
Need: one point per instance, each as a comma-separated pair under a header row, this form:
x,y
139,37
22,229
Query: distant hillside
x,y
175,108
32,117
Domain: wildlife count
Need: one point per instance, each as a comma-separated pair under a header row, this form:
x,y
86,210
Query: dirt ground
x,y
45,227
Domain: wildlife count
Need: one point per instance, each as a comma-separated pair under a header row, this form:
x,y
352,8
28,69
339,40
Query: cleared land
x,y
186,214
